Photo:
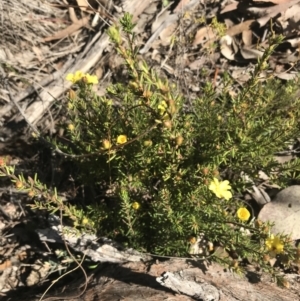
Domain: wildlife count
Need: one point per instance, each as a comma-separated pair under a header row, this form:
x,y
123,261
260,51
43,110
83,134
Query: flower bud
x,y
205,171
258,223
168,124
31,194
71,127
72,94
136,205
178,177
216,172
147,93
19,184
106,144
148,143
85,221
179,140
172,106
133,84
266,229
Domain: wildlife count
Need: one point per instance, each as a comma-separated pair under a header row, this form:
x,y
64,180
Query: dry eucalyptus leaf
x,y
185,5
181,5
240,76
6,264
293,14
198,63
287,76
295,42
230,7
239,28
284,212
204,34
69,30
87,5
272,11
83,4
247,37
229,47
260,196
272,1
167,34
250,54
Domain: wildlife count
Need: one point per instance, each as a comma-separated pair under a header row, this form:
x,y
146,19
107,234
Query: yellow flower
x,y
91,79
162,107
121,139
243,214
79,75
135,205
75,77
220,189
274,244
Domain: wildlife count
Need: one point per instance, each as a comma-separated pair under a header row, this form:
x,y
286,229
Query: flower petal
x,y
70,77
227,195
225,185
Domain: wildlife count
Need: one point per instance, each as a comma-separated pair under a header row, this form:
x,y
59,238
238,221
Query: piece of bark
x,y
230,286
177,282
136,281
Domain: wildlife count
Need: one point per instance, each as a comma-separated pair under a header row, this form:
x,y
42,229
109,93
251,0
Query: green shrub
x,y
160,160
